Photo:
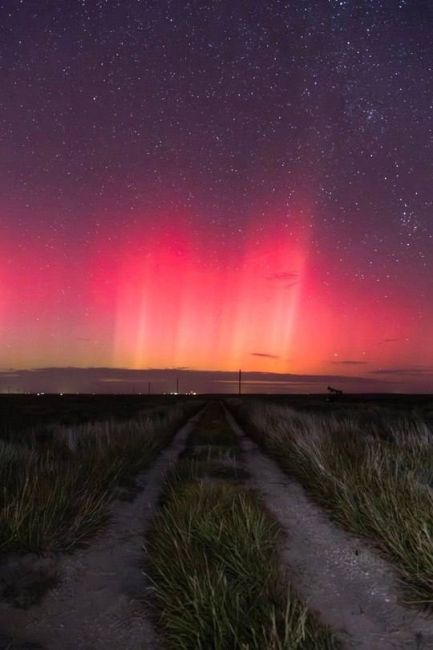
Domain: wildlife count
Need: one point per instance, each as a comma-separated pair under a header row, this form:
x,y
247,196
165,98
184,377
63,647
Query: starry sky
x,y
218,185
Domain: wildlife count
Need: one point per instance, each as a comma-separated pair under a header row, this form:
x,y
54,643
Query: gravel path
x,y
99,603
352,588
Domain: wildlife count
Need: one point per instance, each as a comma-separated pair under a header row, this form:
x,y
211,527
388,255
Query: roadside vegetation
x,y
211,557
374,480
56,487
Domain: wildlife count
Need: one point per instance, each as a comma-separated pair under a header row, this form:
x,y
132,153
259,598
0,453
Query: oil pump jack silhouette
x,y
334,393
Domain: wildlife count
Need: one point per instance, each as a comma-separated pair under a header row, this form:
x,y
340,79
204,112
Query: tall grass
x,y
213,565
377,485
56,494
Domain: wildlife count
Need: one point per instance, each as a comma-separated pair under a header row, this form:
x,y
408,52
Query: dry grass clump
x,y
375,486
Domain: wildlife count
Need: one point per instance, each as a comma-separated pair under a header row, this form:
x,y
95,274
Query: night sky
x,y
216,185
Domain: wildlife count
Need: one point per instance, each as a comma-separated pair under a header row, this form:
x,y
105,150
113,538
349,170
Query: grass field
x,y
58,480
216,573
21,414
371,468
212,557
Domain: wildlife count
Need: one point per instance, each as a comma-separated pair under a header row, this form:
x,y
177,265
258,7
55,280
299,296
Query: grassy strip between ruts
x,y
213,563
56,495
379,489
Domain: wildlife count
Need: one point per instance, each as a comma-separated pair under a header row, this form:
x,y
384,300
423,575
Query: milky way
x,y
216,185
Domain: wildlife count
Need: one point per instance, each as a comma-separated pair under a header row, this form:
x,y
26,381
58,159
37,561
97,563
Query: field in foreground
x,y
205,529
370,466
58,479
212,556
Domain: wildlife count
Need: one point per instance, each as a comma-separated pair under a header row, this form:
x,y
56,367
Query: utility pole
x,y
240,382
177,385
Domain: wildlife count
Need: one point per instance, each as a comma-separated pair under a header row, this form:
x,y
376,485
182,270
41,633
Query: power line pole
x,y
177,385
240,382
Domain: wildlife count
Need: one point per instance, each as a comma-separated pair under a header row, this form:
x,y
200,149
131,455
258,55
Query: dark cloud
x,y
164,380
264,355
350,362
122,380
284,275
414,370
